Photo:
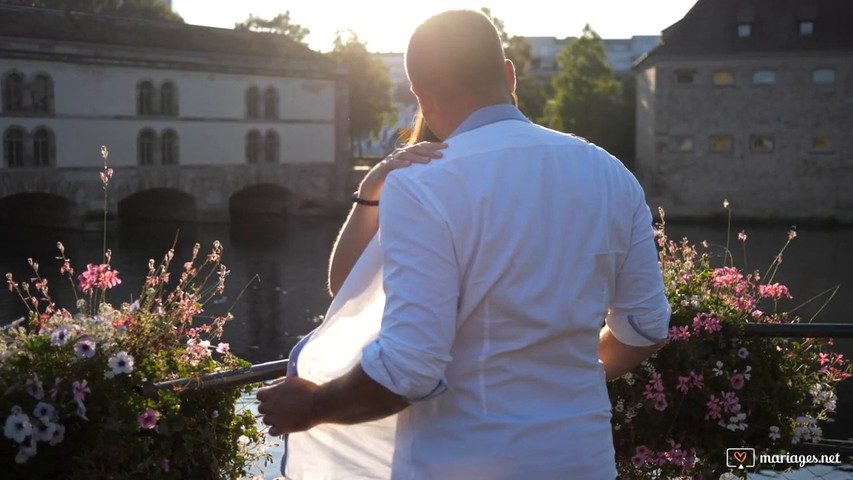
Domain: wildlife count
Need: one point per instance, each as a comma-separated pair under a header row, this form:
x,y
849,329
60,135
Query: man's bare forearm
x,y
619,358
354,398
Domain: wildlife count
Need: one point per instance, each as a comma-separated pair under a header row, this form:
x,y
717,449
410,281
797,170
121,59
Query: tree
x,y
588,100
150,9
531,97
370,101
280,24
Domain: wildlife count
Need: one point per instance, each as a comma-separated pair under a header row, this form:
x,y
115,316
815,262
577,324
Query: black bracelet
x,y
361,201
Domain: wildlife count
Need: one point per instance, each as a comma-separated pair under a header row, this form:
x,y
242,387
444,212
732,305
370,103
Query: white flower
x,y
18,426
743,352
44,430
60,336
774,433
121,363
58,435
215,414
25,452
35,388
44,409
718,370
242,441
746,374
81,410
81,304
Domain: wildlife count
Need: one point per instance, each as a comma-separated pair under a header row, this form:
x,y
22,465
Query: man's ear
x,y
510,74
426,101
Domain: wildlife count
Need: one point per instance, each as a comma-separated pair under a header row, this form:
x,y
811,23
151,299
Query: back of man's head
x,y
457,52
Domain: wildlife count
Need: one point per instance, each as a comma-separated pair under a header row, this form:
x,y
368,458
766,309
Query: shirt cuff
x,y
640,330
381,365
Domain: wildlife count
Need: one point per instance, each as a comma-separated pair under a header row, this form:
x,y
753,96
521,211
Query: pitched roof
x,y
711,28
63,25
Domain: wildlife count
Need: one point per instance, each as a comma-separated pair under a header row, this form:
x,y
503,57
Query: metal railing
x,y
271,370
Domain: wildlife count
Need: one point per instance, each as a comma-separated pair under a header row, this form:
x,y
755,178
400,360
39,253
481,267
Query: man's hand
x,y
287,405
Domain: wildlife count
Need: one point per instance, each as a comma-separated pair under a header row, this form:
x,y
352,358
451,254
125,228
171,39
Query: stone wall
x,y
792,181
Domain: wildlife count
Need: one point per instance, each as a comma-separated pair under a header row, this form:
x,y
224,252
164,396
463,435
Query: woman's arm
x,y
363,220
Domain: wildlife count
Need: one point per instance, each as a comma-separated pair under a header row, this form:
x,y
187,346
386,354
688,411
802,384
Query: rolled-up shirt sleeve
x,y
639,311
421,282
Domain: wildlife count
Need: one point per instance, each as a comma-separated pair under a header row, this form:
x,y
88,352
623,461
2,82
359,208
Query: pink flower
x,y
109,279
80,389
775,291
737,381
148,419
679,333
714,408
637,461
741,236
713,325
223,348
660,404
683,384
698,381
89,279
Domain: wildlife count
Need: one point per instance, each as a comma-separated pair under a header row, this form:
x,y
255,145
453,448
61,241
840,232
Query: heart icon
x,y
740,456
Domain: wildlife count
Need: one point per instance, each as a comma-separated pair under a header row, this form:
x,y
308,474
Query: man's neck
x,y
456,112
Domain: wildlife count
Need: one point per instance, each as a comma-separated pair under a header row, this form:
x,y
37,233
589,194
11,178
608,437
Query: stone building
x,y
199,121
750,101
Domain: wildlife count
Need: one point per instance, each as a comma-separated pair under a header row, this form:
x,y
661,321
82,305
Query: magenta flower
x,y
737,381
775,291
85,347
148,419
80,389
660,404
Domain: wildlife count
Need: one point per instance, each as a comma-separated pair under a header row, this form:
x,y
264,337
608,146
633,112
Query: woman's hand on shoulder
x,y
423,152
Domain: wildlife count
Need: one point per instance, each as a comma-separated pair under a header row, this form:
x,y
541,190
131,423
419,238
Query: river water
x,y
277,286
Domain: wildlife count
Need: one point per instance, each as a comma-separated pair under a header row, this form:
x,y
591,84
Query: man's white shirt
x,y
502,260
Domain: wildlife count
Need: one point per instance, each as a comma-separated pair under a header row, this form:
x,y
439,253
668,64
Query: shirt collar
x,y
487,115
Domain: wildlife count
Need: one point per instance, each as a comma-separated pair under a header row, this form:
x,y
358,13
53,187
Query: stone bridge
x,y
74,197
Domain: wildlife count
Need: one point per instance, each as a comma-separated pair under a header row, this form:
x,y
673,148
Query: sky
x,y
386,25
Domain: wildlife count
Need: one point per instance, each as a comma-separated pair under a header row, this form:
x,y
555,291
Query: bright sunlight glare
x,y
386,25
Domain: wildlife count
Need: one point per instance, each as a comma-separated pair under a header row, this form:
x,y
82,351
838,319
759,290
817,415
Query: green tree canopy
x,y
588,99
531,97
280,24
150,9
370,88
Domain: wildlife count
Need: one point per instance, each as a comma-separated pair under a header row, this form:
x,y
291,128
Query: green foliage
x,y
531,96
150,9
76,400
589,101
281,24
712,388
370,101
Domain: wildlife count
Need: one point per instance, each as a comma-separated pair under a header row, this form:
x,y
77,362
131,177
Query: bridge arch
x,y
40,209
264,199
159,204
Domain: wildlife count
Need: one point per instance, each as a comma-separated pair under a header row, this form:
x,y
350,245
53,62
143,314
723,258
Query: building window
x,y
271,147
253,147
145,99
253,99
145,146
13,147
41,92
43,148
724,78
806,27
271,103
744,30
721,143
823,76
168,100
822,145
169,147
13,93
684,76
764,77
681,144
761,143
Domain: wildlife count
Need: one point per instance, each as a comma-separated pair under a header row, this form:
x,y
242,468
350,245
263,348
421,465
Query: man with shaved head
x,y
520,273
